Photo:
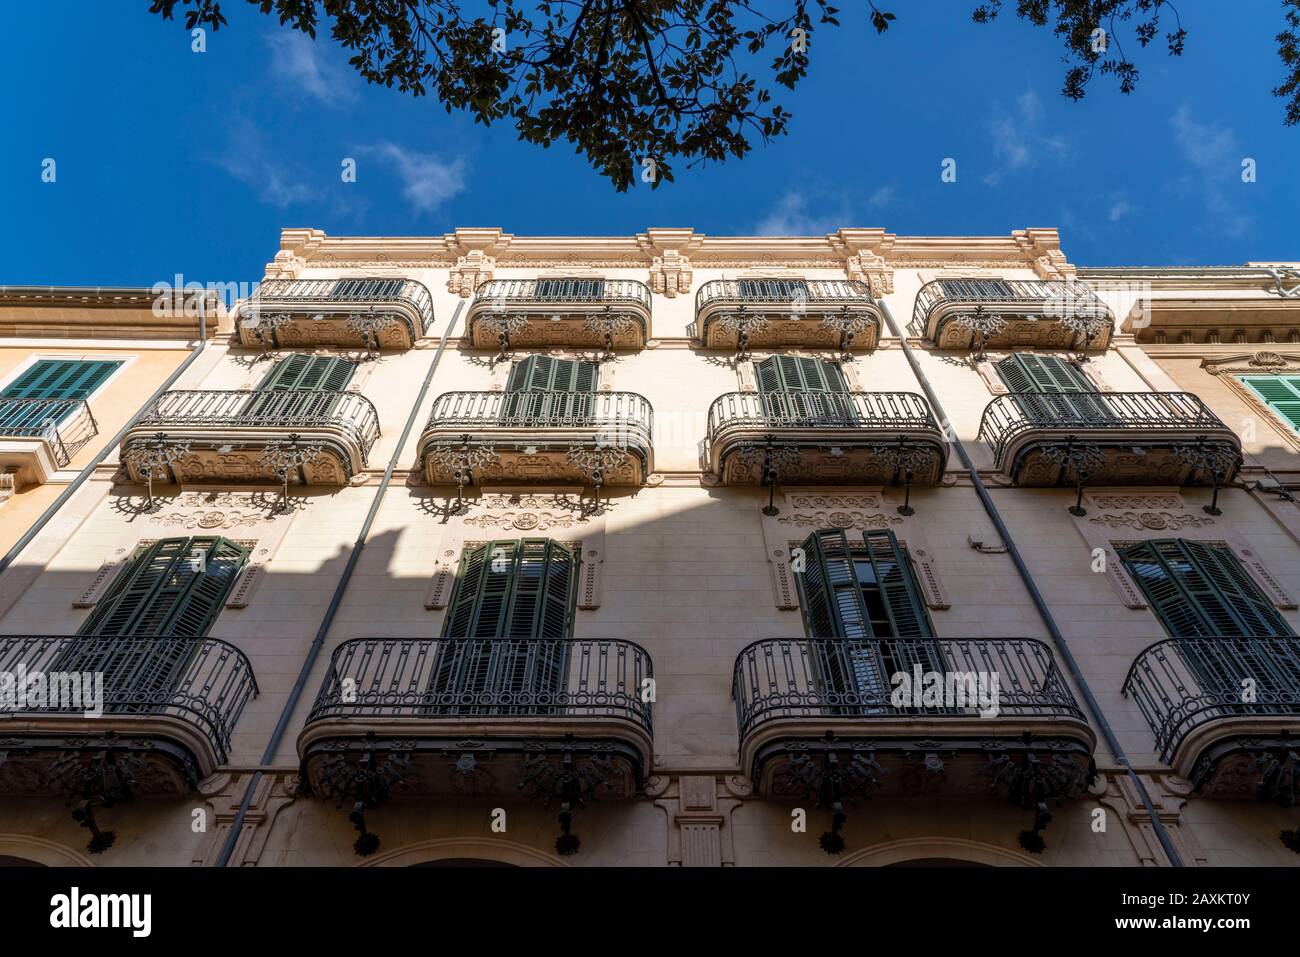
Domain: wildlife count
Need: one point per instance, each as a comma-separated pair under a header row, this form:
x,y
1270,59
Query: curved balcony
x,y
987,698
1035,313
785,313
1132,438
543,313
538,437
1222,709
285,313
231,436
825,438
169,708
39,436
483,716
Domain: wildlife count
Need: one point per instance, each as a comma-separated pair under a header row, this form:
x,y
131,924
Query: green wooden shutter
x,y
1197,589
1280,393
173,587
308,374
799,374
61,379
548,374
1046,374
898,585
833,605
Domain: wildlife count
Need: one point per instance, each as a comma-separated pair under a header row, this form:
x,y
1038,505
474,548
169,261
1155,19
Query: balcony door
x,y
799,390
773,290
50,379
861,599
1049,391
170,590
504,647
546,391
315,382
1201,590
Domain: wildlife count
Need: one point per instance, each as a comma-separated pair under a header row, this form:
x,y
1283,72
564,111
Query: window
x,y
779,290
1048,389
50,379
800,387
298,374
522,594
367,289
1280,393
173,587
858,593
569,290
1200,589
543,390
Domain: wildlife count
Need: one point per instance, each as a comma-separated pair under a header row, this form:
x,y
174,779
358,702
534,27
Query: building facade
x,y
682,550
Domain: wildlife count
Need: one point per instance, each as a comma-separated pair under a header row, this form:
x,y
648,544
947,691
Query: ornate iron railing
x,y
484,678
1180,684
348,412
838,679
203,681
1052,298
514,292
623,412
900,411
1008,416
782,292
275,294
66,424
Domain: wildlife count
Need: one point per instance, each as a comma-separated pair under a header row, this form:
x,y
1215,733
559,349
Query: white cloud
x,y
248,159
1214,168
298,61
882,197
1118,210
790,217
1018,138
427,180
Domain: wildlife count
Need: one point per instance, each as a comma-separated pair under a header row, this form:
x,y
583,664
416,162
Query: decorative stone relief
x,y
6,486
220,511
863,252
670,264
529,513
476,252
1117,793
104,577
1043,249
698,819
224,794
439,591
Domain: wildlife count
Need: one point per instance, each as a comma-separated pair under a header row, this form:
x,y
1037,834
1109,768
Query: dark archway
x,y
462,862
7,860
937,862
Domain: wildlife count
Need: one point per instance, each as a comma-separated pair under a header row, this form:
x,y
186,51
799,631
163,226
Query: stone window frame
x,y
1228,368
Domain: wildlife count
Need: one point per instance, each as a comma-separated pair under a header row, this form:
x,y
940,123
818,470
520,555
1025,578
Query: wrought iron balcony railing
x,y
290,410
784,292
1132,413
486,678
885,411
204,682
406,301
614,313
1182,684
64,424
834,680
618,413
506,293
819,313
1058,309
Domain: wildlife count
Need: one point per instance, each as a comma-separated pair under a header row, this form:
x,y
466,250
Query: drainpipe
x,y
1045,613
89,470
336,600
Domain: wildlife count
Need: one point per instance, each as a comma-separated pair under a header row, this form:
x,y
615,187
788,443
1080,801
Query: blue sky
x,y
172,161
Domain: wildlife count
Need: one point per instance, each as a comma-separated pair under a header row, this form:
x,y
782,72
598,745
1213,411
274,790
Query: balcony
x,y
532,437
824,438
783,313
213,436
802,700
40,436
384,312
1191,690
1033,313
561,722
169,708
1118,438
545,313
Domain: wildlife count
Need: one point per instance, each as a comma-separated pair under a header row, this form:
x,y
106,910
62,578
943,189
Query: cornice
x,y
105,312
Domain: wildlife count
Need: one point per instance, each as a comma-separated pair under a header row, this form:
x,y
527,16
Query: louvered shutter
x,y
298,373
546,390
904,608
1249,606
772,289
1281,393
51,379
1177,611
1047,374
800,388
833,609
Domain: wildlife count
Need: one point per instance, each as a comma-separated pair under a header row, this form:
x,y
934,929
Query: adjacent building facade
x,y
678,550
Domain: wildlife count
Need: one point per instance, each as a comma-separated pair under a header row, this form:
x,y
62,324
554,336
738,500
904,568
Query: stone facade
x,y
685,563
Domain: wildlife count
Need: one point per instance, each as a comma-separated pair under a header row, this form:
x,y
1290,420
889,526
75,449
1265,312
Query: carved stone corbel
x,y
1168,794
699,834
863,252
476,252
670,265
223,794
